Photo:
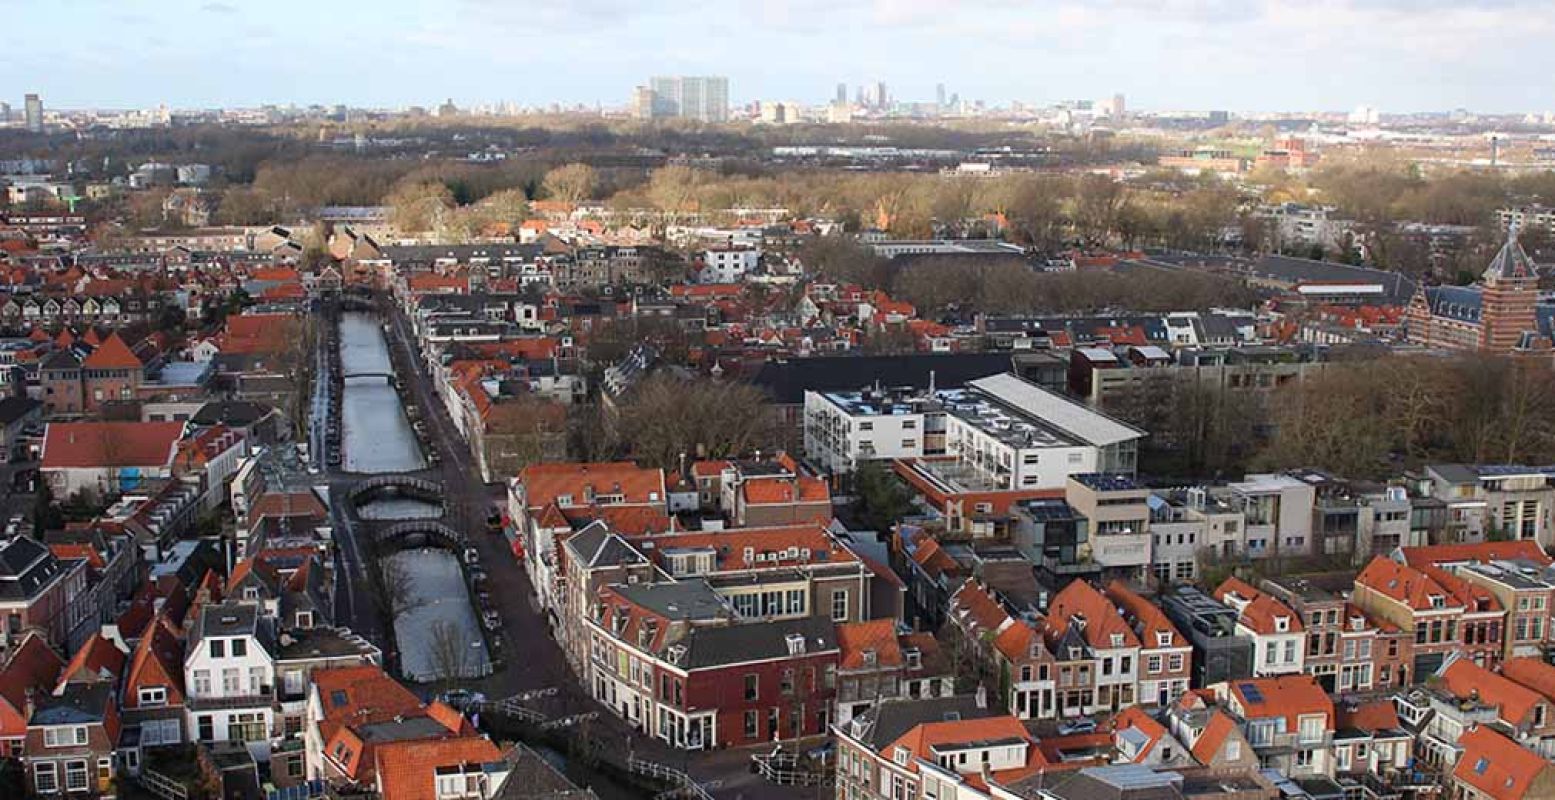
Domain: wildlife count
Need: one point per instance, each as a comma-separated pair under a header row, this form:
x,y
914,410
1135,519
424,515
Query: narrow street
x,y
527,658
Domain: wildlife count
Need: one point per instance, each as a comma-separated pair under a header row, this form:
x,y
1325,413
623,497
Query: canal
x,y
436,628
376,436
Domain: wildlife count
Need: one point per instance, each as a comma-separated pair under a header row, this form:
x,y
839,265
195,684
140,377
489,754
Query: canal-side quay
x,y
550,709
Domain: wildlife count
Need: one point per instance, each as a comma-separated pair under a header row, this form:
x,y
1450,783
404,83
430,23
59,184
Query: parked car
x,y
1073,726
462,699
492,619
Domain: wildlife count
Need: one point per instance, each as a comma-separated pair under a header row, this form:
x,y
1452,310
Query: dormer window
x,y
914,658
1282,624
1117,640
901,756
1163,638
796,644
1438,601
870,658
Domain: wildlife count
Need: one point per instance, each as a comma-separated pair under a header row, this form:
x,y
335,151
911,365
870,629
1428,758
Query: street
x,y
526,657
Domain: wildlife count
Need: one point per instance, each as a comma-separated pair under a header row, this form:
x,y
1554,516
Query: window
x,y
751,687
206,728
218,648
1153,665
75,776
239,648
45,777
151,696
1175,663
247,727
64,737
231,682
787,686
752,720
160,731
839,606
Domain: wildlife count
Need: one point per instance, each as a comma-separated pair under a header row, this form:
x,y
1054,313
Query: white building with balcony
x,y
229,677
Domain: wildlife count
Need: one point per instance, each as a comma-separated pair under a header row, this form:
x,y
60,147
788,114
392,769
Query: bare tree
x,y
571,183
449,652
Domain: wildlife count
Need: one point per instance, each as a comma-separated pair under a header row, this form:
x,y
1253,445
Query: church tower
x,y
1511,288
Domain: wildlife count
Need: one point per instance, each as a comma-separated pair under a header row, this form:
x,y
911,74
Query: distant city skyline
x,y
1239,55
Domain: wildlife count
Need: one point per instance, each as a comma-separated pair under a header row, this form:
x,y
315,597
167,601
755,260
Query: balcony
x,y
265,699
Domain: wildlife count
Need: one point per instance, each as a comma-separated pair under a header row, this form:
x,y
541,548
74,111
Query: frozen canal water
x,y
439,632
375,434
399,508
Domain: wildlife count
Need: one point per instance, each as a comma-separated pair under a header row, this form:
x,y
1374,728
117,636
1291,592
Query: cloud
x,y
219,8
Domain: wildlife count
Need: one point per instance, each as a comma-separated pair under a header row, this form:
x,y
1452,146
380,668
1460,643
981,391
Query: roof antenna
x,y
931,383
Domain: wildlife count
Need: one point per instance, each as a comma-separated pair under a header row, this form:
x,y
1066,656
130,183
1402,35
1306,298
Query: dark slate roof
x,y
888,721
14,408
687,600
734,644
1462,303
232,619
236,413
1304,270
596,546
26,566
460,252
787,380
1511,262
531,777
80,704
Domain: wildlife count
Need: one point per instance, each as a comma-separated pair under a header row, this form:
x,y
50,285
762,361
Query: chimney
x,y
982,696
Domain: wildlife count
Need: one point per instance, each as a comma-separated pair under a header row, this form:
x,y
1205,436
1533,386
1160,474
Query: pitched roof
x,y
32,666
1217,729
1483,552
1135,718
544,483
158,661
1257,610
1511,261
776,547
1148,618
1496,765
406,769
1288,696
113,353
1402,583
1532,673
1377,715
1513,701
88,445
1099,620
877,635
98,659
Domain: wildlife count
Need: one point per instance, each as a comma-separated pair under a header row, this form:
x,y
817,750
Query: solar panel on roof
x,y
1252,693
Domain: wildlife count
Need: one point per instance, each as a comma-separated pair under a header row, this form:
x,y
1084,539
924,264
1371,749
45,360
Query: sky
x,y
1239,55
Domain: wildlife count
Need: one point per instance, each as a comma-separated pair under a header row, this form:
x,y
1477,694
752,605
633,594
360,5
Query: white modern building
x,y
844,429
728,263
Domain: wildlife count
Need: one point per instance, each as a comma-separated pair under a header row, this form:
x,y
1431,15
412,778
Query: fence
x,y
784,769
685,785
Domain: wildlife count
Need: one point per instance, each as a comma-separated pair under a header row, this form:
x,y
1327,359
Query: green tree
x,y
882,499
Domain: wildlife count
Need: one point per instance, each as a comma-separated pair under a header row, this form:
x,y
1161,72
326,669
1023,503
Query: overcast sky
x,y
1242,55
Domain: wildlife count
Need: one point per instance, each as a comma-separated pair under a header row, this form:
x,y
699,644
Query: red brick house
x,y
112,373
71,741
153,698
670,659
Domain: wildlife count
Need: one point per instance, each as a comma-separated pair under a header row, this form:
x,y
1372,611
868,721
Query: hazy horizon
x,y
1250,57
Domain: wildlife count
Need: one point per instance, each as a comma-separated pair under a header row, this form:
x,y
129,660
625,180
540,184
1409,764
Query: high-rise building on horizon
x,y
5,113
842,93
882,95
34,113
939,95
690,97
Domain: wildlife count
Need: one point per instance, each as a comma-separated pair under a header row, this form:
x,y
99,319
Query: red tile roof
x,y
1403,584
87,445
406,769
96,660
1148,618
544,483
1532,673
112,354
1288,696
34,666
1376,715
773,544
1513,702
1080,600
1135,718
1481,552
158,661
878,635
1258,611
1496,765
1219,727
